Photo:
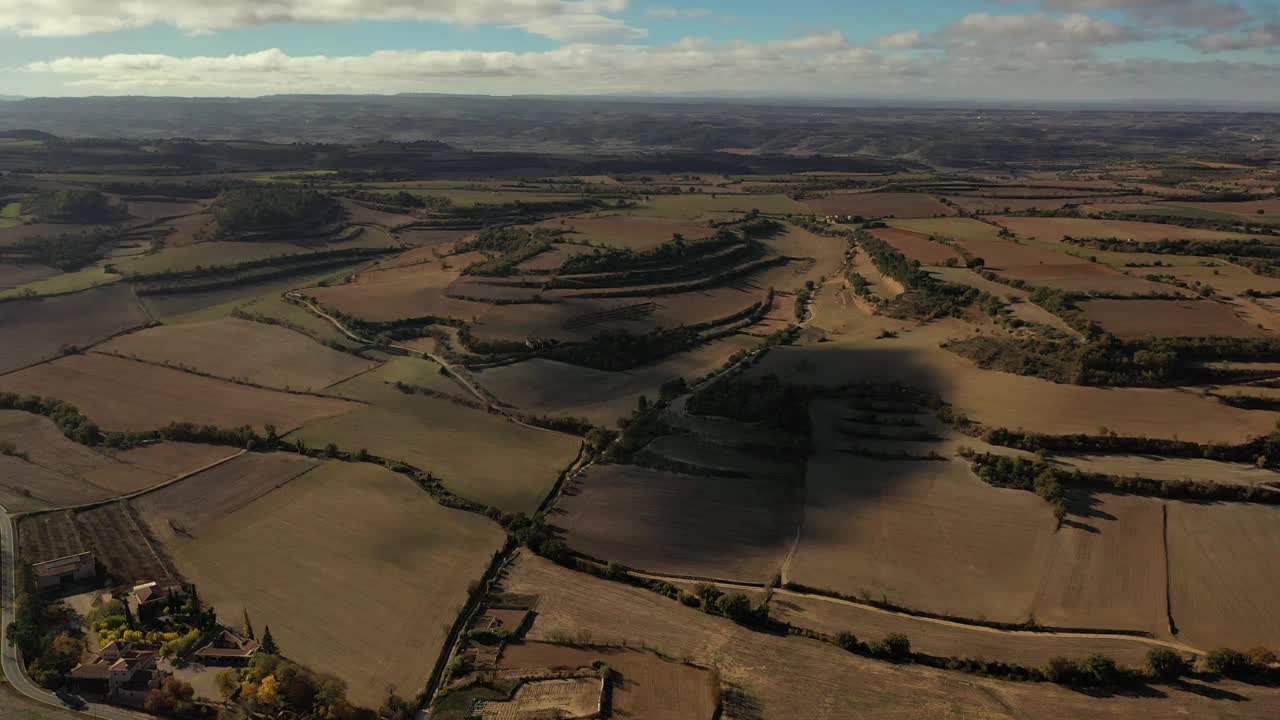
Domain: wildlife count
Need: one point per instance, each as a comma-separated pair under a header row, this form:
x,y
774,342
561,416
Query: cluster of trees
x,y
675,250
273,686
1031,475
402,199
40,630
769,401
619,349
65,251
269,207
76,205
735,606
1043,357
66,416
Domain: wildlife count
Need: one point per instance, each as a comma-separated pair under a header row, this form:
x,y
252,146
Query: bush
x,y
1165,665
847,641
897,646
736,607
1228,662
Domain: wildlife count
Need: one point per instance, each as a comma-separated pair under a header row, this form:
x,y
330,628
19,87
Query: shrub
x,y
1165,664
736,607
847,641
1226,661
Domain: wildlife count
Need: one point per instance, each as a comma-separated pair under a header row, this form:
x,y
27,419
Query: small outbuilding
x,y
64,571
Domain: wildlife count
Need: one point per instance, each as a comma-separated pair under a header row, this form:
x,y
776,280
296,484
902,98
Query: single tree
x,y
268,643
248,626
1165,665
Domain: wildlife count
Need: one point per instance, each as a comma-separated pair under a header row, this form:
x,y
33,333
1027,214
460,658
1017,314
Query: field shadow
x,y
1142,691
1209,692
1084,506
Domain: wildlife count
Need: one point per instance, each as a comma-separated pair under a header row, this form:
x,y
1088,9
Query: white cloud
x,y
1075,28
1184,13
675,13
906,40
1265,37
821,64
558,19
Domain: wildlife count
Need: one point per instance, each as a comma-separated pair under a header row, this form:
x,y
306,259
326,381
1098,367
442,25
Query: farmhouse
x,y
63,571
153,592
227,648
119,674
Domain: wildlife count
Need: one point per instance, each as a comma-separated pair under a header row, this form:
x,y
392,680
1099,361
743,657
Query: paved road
x,y
13,671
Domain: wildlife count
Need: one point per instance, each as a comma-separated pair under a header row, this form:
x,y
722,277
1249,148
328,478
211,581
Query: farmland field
x,y
917,246
1218,589
809,679
242,350
39,329
637,233
121,394
878,205
1057,228
58,472
701,526
1168,318
478,455
355,569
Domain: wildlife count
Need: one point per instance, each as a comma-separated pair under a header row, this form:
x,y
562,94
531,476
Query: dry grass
x,y
1130,319
1221,570
731,528
357,571
121,394
478,455
12,276
770,676
1169,468
239,349
879,205
646,686
38,329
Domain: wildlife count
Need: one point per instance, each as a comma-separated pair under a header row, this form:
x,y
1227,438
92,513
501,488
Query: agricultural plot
x,y
242,350
17,275
999,205
1254,211
183,257
187,508
647,686
694,207
832,617
1054,229
549,387
903,531
1221,573
186,307
275,310
999,399
1107,567
356,570
957,228
1019,300
917,246
476,454
880,205
121,542
40,328
120,394
636,233
63,283
1170,468
1168,318
810,679
715,458
407,292
52,471
702,526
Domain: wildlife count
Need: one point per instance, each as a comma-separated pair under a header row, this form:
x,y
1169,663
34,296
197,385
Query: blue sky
x,y
1032,49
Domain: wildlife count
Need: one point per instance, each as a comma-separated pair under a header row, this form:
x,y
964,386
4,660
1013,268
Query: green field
x,y
9,214
214,304
206,254
67,282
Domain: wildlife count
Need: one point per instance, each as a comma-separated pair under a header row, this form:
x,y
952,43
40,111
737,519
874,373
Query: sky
x,y
1187,50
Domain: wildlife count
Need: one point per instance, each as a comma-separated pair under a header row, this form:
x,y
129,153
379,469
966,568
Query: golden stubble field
x,y
357,571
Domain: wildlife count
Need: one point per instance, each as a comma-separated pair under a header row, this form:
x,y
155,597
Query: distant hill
x,y
11,98
879,135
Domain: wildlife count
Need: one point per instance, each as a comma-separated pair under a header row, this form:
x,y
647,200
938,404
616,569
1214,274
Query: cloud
x,y
1265,37
1183,13
558,19
906,40
818,64
1076,29
674,13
